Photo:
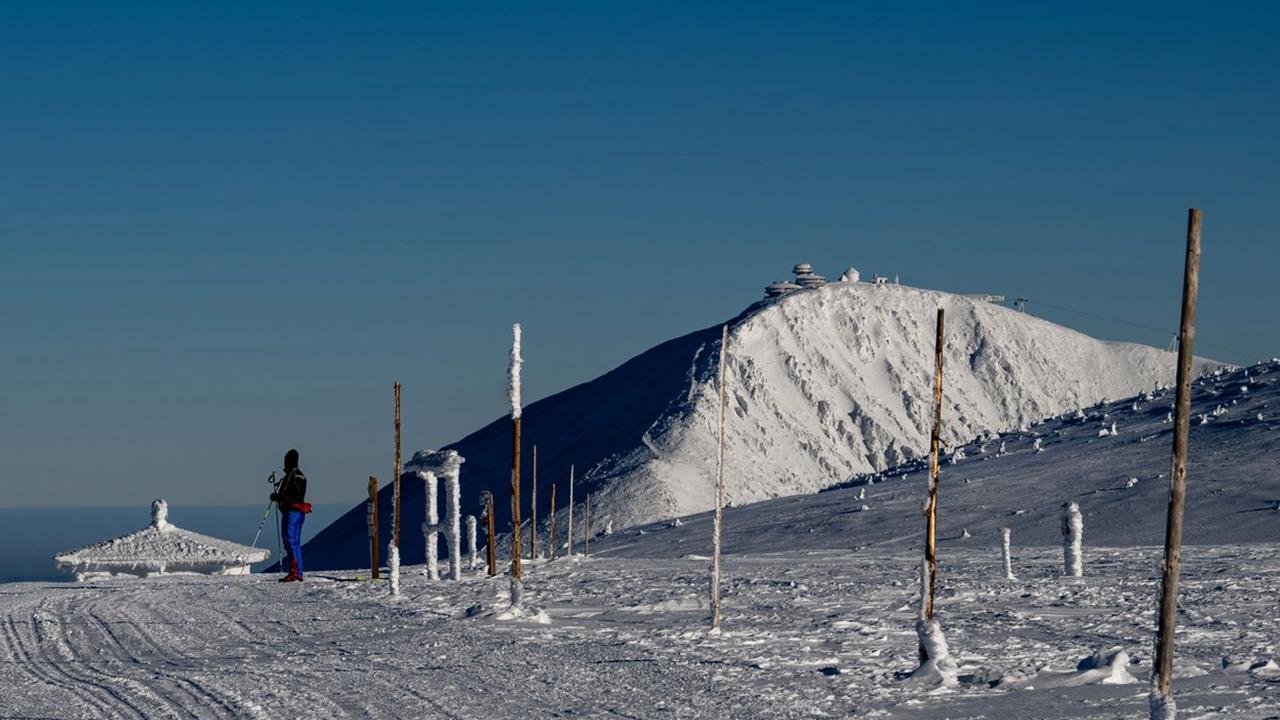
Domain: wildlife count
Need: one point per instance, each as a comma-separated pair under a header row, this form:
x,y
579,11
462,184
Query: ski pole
x,y
265,513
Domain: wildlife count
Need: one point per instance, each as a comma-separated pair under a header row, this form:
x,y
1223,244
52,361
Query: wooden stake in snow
x,y
931,506
492,549
533,508
393,565
395,515
513,387
570,543
375,562
715,531
1162,705
586,528
1008,556
553,522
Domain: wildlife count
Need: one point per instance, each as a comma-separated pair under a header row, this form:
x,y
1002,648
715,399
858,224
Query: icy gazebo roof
x,y
161,548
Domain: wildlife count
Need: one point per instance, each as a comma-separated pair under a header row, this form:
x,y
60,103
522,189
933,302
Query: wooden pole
x,y
489,530
1162,682
586,525
570,542
533,509
395,516
553,521
515,499
715,562
374,561
931,507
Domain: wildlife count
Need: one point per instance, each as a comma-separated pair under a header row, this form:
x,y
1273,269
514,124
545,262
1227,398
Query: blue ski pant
x,y
291,527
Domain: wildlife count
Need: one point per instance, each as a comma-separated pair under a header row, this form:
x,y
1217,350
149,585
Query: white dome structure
x,y
851,275
160,549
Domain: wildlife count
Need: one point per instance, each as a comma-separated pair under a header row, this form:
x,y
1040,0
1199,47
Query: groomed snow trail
x,y
816,633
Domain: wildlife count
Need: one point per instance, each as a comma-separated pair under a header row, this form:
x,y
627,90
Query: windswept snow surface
x,y
820,604
824,384
820,633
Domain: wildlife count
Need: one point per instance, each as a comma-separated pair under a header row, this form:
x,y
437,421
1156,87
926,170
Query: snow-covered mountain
x,y
1020,480
823,384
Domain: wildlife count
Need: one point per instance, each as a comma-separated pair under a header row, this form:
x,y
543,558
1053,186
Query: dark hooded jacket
x,y
292,492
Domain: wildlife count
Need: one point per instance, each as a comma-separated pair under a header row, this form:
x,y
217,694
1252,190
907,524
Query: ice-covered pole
x,y
393,564
513,393
1072,540
1162,705
431,527
453,517
552,543
471,542
719,516
1008,556
395,493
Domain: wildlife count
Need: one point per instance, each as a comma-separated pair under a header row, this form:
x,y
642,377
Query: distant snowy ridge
x,y
824,384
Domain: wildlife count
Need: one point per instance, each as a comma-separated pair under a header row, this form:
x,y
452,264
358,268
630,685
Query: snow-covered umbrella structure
x,y
160,549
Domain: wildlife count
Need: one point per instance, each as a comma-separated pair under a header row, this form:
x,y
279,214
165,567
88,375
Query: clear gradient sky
x,y
225,231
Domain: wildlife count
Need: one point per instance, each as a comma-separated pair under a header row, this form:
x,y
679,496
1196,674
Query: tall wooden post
x,y
931,507
492,550
374,561
715,561
586,524
570,542
395,514
553,521
533,508
1162,704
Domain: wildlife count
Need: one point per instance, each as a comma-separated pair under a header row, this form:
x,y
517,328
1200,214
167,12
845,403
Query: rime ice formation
x,y
1072,545
160,549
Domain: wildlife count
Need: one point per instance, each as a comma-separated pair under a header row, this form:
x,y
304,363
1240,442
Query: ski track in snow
x,y
813,633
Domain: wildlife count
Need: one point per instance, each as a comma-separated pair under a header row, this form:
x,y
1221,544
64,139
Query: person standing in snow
x,y
290,498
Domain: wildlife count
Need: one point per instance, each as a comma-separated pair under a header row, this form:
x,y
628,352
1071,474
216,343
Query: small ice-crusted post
x,y
1072,540
491,551
570,542
393,564
719,516
1162,704
586,528
471,542
431,527
513,393
1008,556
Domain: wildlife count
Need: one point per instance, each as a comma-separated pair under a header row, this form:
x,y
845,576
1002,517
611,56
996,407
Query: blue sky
x,y
225,231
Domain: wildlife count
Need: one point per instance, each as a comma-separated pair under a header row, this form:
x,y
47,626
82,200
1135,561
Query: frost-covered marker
x,y
453,516
471,542
513,393
552,544
1162,704
393,564
719,517
1008,556
1072,540
431,526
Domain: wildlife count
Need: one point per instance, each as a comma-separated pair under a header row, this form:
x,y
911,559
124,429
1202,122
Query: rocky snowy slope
x,y
824,384
1020,479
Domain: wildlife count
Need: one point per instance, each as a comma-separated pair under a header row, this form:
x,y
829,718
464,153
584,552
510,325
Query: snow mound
x,y
823,384
1104,667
